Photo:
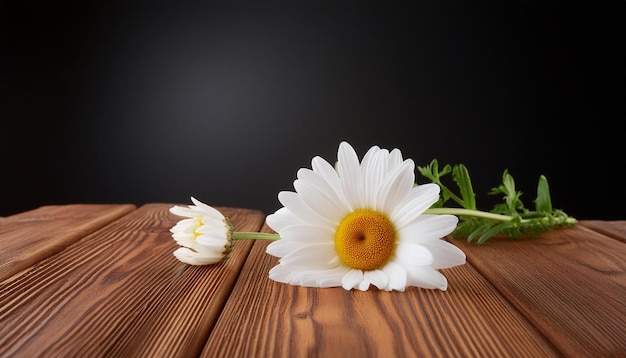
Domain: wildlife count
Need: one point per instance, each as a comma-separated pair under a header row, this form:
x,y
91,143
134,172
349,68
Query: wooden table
x,y
101,281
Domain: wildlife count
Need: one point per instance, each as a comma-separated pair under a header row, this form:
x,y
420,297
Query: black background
x,y
138,102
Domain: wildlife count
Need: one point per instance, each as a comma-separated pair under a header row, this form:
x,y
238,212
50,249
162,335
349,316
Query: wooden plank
x,y
32,236
264,318
612,229
120,292
570,283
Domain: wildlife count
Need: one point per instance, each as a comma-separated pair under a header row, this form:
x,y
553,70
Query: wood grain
x,y
613,229
570,283
264,318
101,281
120,292
32,236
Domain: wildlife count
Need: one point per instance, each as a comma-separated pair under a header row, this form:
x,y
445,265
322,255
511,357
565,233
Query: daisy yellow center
x,y
365,239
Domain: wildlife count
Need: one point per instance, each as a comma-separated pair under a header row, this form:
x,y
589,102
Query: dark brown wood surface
x,y
101,281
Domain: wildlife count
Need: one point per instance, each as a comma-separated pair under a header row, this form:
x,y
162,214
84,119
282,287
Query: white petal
x,y
307,234
321,278
330,277
216,235
184,239
298,207
395,159
190,257
330,175
413,254
418,200
214,222
351,279
182,211
397,276
283,274
214,229
369,155
427,228
319,195
208,250
350,174
281,248
445,254
295,237
282,218
396,187
185,225
426,277
206,209
311,256
212,242
377,278
374,172
363,285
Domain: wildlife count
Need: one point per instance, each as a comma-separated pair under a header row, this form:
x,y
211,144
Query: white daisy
x,y
206,234
361,224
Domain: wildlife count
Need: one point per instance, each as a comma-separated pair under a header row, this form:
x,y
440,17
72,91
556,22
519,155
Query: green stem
x,y
468,212
243,235
478,213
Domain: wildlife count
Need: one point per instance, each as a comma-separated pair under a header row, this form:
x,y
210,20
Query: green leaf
x,y
494,230
479,231
460,174
543,203
511,219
